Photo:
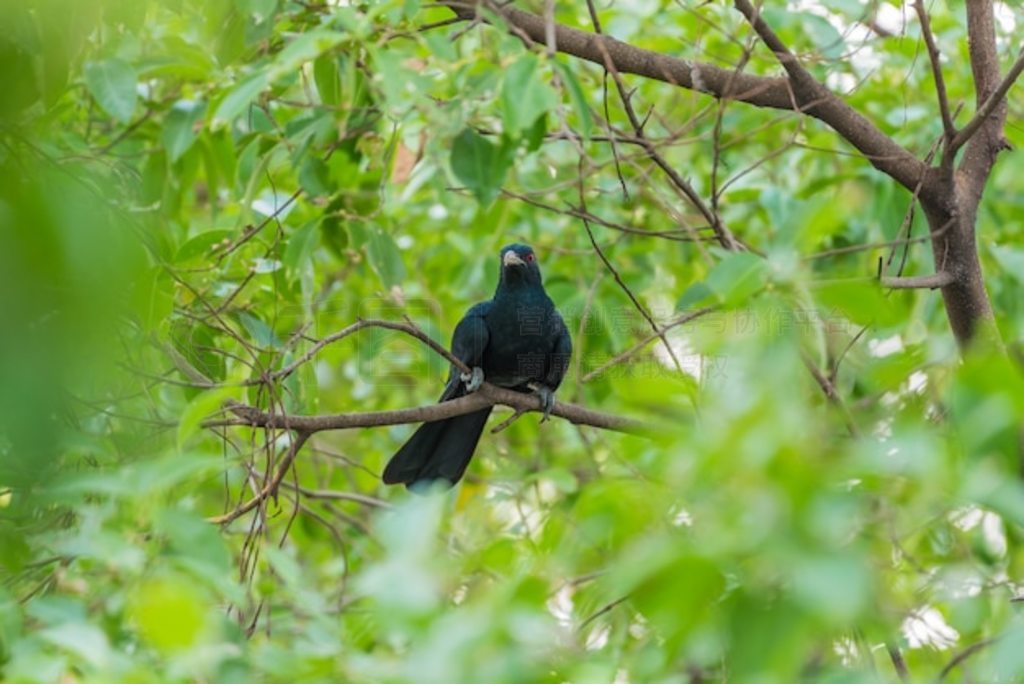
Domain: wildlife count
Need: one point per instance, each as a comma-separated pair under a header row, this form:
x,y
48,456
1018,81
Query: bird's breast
x,y
521,340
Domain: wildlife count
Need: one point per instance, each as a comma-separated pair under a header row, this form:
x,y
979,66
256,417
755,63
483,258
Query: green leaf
x,y
837,586
479,164
653,586
261,333
524,98
824,35
737,277
239,98
202,245
561,478
440,46
169,612
696,294
55,610
863,302
306,47
261,265
851,8
138,479
85,641
174,57
385,258
315,177
112,82
1007,658
301,245
153,297
191,536
327,77
285,567
534,137
198,410
579,100
261,9
806,27
199,346
1010,259
333,230
180,127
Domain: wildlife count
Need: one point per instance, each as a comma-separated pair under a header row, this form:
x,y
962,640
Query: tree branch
x,y
981,42
487,395
725,236
407,328
933,281
983,135
707,78
636,348
898,662
270,488
806,96
818,101
304,427
990,104
797,74
828,387
333,495
933,56
964,655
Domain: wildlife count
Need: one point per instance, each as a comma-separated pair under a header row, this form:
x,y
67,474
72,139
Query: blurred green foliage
x,y
192,192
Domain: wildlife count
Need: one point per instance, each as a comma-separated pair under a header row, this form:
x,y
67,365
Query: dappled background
x,y
192,194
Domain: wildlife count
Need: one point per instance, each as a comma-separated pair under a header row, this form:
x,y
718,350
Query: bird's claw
x,y
547,400
473,380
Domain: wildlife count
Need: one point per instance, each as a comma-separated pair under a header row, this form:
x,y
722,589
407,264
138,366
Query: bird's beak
x,y
512,259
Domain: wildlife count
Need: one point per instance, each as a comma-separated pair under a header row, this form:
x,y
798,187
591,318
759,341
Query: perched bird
x,y
516,340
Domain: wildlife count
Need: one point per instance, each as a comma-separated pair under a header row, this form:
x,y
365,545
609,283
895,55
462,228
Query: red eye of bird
x,y
530,257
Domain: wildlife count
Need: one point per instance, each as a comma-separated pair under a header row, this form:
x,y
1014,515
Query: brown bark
x,y
967,303
487,395
807,96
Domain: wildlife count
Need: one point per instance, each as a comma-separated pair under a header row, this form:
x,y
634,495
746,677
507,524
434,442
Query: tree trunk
x,y
955,251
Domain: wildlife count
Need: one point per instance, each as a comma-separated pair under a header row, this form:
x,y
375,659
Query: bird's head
x,y
519,265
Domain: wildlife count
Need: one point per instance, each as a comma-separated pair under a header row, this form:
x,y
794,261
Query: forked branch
x,y
800,93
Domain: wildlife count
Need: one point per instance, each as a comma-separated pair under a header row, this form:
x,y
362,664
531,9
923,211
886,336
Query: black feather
x,y
516,338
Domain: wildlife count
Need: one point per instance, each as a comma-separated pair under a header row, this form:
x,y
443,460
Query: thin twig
x,y
932,281
508,421
829,388
332,495
940,85
622,284
898,663
808,97
636,348
407,328
604,609
124,134
270,488
989,105
722,232
963,655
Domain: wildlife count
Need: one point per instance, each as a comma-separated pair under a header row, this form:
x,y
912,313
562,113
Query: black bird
x,y
516,340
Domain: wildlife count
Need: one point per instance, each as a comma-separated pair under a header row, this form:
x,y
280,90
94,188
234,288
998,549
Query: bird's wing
x,y
468,344
558,361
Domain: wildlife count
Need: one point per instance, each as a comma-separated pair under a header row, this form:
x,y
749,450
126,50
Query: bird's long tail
x,y
437,451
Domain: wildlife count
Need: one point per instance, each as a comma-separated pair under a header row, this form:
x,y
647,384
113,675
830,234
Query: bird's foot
x,y
547,400
473,380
